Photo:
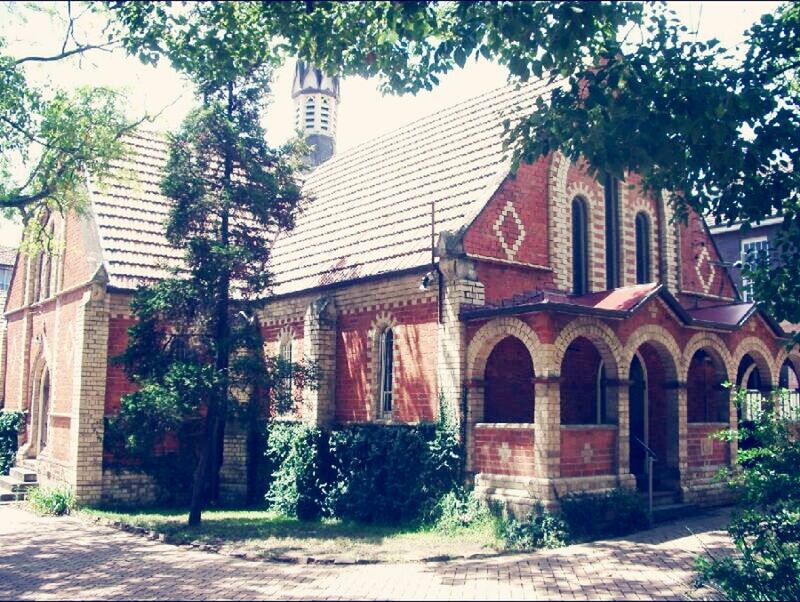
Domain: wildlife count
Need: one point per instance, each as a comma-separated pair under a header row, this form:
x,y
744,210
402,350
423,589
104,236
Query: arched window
x,y
324,115
285,353
44,409
612,231
642,248
387,362
580,256
310,113
45,285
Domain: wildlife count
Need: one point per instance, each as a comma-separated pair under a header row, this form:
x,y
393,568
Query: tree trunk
x,y
200,472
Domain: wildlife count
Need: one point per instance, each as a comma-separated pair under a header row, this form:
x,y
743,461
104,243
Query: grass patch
x,y
268,534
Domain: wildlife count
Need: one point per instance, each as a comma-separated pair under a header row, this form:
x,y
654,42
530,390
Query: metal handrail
x,y
651,457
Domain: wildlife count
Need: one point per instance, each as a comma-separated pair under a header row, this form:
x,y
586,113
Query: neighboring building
x,y
739,248
7,257
568,321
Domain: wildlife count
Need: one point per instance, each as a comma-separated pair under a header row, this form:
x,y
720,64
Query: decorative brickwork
x,y
763,358
319,347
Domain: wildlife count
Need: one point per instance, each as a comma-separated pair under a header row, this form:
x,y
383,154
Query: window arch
x,y
643,262
580,247
285,353
385,373
311,109
324,115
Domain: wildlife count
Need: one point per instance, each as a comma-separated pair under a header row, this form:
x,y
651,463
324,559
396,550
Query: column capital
x,y
551,379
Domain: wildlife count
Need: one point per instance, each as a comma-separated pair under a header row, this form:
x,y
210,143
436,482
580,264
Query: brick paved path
x,y
47,558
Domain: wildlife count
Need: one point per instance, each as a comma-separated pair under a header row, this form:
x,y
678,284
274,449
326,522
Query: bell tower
x,y
316,99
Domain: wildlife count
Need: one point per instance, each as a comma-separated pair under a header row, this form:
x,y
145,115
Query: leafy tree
x,y
50,139
196,353
716,129
766,527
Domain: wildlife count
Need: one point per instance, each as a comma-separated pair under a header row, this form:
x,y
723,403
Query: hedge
x,y
369,473
11,424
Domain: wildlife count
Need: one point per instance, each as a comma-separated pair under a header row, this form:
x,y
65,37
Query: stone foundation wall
x,y
129,487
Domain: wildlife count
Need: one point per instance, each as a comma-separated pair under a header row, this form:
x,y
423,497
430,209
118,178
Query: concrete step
x,y
10,498
9,484
28,463
673,511
661,498
23,474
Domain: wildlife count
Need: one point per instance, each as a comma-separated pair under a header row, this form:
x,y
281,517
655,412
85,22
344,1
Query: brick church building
x,y
569,321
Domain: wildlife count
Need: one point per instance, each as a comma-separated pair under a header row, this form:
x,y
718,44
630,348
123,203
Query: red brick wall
x,y
716,453
527,192
414,386
503,281
598,459
504,450
697,249
117,384
579,383
509,394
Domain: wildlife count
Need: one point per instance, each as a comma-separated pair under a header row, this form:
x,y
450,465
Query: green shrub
x,y
368,473
298,456
11,423
54,502
766,526
607,514
460,510
540,529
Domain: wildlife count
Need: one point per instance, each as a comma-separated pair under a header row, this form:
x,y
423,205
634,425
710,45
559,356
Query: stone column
x,y
233,472
678,415
547,417
319,347
620,391
460,288
475,400
89,390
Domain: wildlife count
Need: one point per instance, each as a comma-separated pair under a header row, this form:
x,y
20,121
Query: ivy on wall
x,y
11,424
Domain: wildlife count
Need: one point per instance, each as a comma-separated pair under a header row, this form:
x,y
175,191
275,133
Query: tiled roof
x,y
7,255
370,207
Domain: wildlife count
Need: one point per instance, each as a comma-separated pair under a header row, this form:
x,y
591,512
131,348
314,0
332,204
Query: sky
x,y
364,112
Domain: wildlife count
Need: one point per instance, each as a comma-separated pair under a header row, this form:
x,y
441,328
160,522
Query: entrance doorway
x,y
638,419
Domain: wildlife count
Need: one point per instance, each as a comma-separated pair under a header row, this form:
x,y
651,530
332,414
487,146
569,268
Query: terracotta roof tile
x,y
368,211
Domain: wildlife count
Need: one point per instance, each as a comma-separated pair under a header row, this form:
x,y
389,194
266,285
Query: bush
x,y
459,510
541,529
298,457
607,514
766,527
368,473
54,502
11,424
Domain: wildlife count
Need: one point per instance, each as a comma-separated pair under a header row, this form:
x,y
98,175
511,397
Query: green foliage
x,y
766,525
460,510
53,502
540,529
606,514
297,454
638,92
50,138
11,424
369,473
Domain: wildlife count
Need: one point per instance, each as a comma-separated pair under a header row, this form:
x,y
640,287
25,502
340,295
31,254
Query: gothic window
x,y
612,231
285,353
44,409
324,115
387,361
642,248
45,285
580,257
310,112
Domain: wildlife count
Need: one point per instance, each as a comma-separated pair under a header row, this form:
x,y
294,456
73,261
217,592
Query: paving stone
x,y
66,558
